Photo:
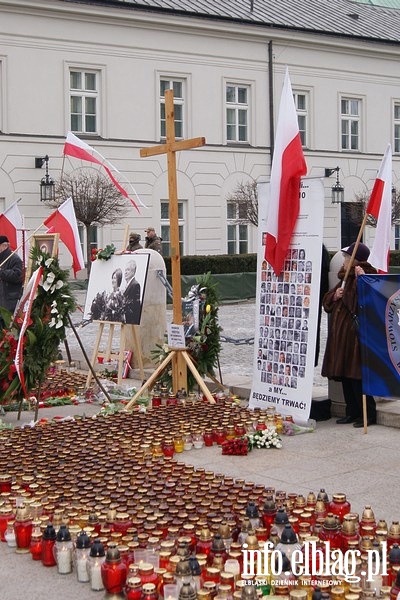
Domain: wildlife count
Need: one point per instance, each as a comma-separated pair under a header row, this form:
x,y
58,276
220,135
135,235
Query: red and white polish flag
x,y
63,221
24,309
380,207
79,149
288,165
11,225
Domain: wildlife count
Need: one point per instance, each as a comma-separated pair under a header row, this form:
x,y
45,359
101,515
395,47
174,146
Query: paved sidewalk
x,y
336,458
236,360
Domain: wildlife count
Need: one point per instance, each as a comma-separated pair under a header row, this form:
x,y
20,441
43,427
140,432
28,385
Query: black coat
x,y
132,302
11,278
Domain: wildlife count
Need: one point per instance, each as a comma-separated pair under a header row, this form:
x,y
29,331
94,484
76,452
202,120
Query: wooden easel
x,y
179,356
119,356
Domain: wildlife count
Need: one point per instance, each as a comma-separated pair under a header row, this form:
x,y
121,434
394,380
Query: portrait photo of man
x,y
132,295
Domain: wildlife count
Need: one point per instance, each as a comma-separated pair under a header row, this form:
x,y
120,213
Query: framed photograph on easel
x,y
47,243
116,289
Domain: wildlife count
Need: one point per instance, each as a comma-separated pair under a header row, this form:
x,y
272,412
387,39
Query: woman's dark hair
x,y
118,275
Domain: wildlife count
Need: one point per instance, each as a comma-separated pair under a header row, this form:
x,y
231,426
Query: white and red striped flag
x,y
380,207
79,149
11,224
63,221
25,306
288,165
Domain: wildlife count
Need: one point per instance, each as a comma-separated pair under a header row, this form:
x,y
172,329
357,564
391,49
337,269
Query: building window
x,y
165,228
237,113
237,230
301,104
177,87
397,237
350,123
93,240
84,99
396,115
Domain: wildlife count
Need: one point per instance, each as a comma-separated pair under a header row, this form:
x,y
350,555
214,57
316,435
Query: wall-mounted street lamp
x,y
47,186
337,189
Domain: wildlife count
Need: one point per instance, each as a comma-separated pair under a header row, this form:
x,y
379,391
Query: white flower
x,y
49,281
57,324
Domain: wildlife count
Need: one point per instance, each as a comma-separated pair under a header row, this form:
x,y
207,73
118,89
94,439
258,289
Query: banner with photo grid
x,y
287,310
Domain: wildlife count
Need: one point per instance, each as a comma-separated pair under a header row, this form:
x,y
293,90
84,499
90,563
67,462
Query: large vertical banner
x,y
287,310
379,316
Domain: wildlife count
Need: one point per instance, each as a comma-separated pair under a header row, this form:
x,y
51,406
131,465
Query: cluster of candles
x,y
136,520
61,381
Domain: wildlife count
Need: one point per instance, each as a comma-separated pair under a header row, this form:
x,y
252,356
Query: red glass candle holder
x,y
35,547
339,506
23,535
168,447
6,514
5,482
208,438
133,588
156,401
114,571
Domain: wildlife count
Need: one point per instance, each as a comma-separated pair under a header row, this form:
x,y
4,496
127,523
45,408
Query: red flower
x,y
236,447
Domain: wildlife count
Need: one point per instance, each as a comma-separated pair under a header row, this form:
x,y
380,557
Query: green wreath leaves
x,y
205,345
46,330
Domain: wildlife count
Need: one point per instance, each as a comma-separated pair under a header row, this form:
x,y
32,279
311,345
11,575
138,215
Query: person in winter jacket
x,y
342,359
11,277
134,242
153,242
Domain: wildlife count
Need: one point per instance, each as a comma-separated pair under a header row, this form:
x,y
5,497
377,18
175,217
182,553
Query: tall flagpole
x,y
356,244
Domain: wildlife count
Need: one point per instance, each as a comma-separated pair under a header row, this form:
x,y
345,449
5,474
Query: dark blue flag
x,y
379,317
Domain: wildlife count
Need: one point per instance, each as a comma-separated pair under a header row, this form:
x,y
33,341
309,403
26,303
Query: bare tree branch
x,y
245,199
363,198
96,200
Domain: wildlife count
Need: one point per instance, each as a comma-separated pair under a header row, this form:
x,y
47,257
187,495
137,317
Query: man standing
x,y
11,277
134,242
153,242
132,295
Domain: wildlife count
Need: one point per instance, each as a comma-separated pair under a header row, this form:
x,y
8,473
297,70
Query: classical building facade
x,y
100,69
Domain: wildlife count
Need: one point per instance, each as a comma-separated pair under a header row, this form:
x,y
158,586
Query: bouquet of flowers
x,y
237,447
241,446
265,438
290,428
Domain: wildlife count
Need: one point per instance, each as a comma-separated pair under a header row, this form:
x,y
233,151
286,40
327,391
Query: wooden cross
x,y
180,358
170,148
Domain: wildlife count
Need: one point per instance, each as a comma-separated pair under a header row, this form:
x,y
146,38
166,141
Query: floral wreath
x,y
46,329
205,345
102,253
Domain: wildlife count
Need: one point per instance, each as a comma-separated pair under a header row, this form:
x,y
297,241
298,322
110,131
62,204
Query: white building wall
x,y
39,41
